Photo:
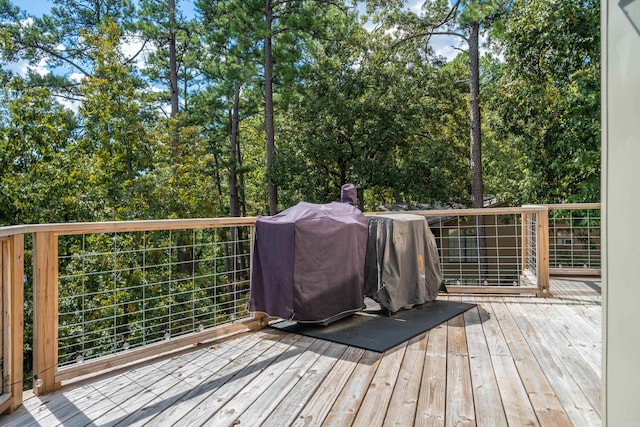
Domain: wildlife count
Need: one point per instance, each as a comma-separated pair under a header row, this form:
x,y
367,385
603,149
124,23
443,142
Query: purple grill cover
x,y
308,262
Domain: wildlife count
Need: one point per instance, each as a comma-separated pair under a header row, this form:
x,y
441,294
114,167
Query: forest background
x,y
137,110
154,109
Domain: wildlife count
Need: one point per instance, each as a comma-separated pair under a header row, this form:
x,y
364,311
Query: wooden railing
x,y
575,239
112,293
491,250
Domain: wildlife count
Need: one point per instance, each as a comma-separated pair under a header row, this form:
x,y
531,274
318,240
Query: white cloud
x,y
131,45
415,6
70,104
77,77
447,46
22,68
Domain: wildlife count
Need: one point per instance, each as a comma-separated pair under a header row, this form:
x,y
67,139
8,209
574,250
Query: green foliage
x,y
352,122
35,133
547,102
89,139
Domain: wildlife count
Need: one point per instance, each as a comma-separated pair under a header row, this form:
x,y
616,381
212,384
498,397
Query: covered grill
x,y
308,263
402,264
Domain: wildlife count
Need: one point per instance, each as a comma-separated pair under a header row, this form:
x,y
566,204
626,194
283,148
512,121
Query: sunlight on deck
x,y
509,361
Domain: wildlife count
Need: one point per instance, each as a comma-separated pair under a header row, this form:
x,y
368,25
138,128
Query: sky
x,y
443,45
34,7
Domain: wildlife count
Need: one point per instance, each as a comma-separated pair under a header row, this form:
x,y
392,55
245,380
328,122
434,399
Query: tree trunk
x,y
475,162
475,158
268,109
173,78
241,194
234,200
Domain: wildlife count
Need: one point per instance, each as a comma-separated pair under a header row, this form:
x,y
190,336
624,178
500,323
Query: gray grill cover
x,y
402,264
308,263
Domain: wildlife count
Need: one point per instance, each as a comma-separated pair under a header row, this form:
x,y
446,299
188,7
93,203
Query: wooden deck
x,y
515,361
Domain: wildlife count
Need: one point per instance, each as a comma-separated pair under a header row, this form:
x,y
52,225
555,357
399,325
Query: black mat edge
x,y
320,332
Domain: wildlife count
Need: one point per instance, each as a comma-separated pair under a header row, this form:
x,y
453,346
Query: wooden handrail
x,y
573,206
126,226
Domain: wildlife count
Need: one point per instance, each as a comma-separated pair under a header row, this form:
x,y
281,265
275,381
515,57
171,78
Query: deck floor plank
x,y
263,405
55,408
373,408
573,400
459,405
347,404
546,404
299,396
580,334
402,407
485,387
316,409
518,408
585,375
512,360
431,400
230,400
208,363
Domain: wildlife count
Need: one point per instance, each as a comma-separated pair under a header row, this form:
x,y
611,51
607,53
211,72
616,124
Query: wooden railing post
x,y
542,252
14,317
12,302
45,312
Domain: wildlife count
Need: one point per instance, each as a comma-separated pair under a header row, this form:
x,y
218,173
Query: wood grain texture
x,y
45,311
513,360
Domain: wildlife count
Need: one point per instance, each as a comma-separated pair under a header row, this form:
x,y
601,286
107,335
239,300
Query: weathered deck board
x,y
544,401
485,386
586,377
348,403
517,406
317,408
281,387
402,407
235,396
459,403
376,401
509,361
558,372
288,409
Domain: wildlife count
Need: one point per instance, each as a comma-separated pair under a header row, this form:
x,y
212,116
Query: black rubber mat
x,y
375,330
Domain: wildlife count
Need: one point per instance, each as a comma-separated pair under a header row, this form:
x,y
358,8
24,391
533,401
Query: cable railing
x,y
490,250
575,239
112,293
121,291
